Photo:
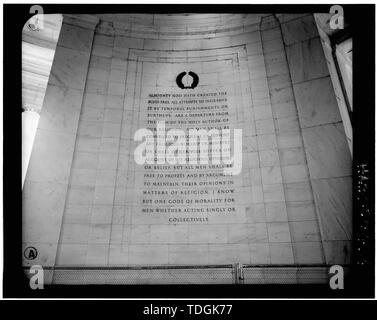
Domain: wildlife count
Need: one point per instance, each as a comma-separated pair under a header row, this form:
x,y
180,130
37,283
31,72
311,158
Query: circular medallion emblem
x,y
187,81
30,253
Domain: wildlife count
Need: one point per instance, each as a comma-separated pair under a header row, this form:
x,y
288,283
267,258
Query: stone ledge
x,y
217,274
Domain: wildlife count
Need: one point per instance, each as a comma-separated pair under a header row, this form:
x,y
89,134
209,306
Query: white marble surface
x,y
63,112
334,206
306,60
69,68
308,252
281,253
41,200
338,252
327,151
276,221
301,211
316,102
325,147
44,168
298,30
276,212
75,37
46,184
38,48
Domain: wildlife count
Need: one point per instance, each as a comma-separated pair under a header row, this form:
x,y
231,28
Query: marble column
x,y
46,181
30,119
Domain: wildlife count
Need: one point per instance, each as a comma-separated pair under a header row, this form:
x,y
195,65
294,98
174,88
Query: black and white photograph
x,y
227,148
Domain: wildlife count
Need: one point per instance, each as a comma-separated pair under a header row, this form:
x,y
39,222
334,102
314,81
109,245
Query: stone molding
x,y
86,21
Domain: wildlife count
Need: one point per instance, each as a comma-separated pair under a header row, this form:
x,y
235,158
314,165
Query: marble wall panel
x,y
69,68
316,102
306,60
281,202
327,151
328,159
299,30
41,167
308,252
338,252
334,203
75,37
